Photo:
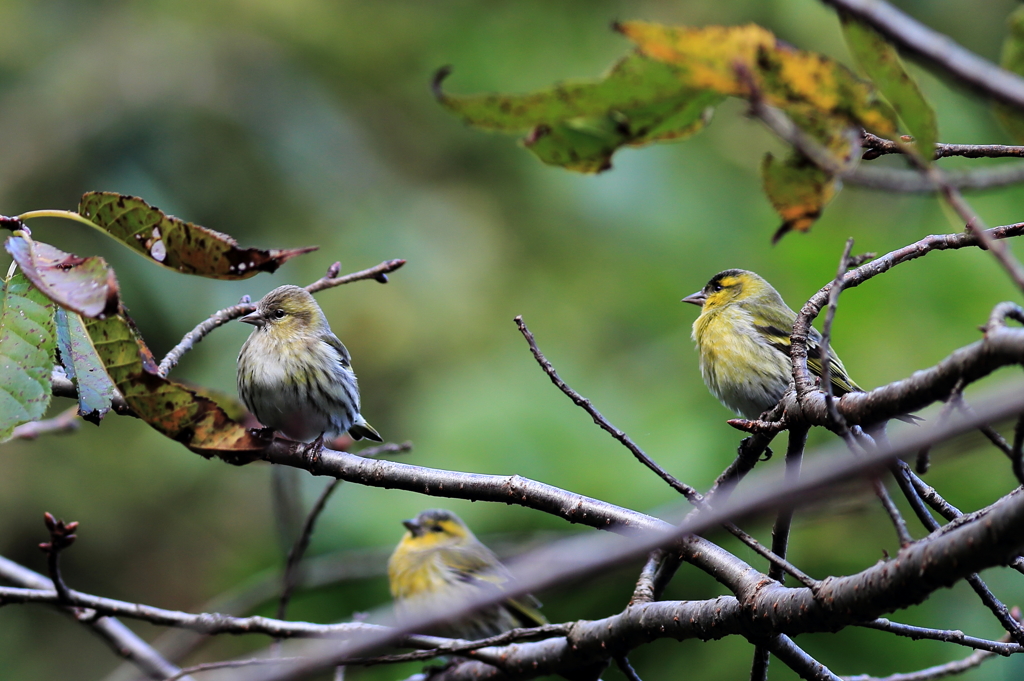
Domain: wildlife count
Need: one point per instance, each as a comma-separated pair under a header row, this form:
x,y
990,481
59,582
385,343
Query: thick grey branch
x,y
916,571
761,607
937,49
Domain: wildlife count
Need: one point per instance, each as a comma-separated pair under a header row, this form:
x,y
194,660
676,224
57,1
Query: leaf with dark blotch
x,y
882,63
83,367
83,285
171,408
26,354
731,60
174,243
579,125
1013,60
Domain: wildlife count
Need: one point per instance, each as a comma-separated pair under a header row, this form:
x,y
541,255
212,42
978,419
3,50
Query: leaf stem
x,y
66,214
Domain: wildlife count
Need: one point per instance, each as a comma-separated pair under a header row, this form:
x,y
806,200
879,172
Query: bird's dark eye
x,y
278,313
716,287
437,528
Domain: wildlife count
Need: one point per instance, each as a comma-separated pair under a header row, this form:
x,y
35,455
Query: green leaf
x,y
26,354
882,63
174,243
1013,60
83,367
171,408
84,285
579,125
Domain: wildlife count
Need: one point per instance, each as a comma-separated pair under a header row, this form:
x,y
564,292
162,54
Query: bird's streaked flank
x,y
294,374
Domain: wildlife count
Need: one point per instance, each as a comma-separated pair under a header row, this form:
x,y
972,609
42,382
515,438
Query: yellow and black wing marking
x,y
841,381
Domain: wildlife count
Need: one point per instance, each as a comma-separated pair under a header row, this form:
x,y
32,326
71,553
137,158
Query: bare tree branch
x,y
937,49
883,179
1001,647
879,146
65,422
911,394
774,608
601,421
289,579
965,546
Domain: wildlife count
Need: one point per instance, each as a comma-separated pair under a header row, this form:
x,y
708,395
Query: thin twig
x,y
1001,647
903,476
999,249
377,273
1017,453
245,306
885,179
643,592
627,669
940,671
922,463
937,49
582,402
794,657
902,533
289,579
747,455
65,422
826,331
231,664
691,494
62,535
879,146
780,532
951,512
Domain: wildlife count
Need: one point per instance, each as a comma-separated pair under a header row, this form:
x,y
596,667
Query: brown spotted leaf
x,y
731,59
578,125
171,408
83,285
174,243
27,342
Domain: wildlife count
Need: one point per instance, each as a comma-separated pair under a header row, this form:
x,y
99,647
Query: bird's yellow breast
x,y
738,366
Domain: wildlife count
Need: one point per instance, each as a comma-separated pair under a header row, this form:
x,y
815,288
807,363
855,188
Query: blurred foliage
x,y
311,122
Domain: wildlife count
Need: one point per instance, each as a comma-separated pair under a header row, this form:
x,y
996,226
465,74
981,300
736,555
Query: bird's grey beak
x,y
412,526
697,299
254,318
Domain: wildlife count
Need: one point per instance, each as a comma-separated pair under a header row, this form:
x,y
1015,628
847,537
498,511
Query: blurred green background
x,y
306,122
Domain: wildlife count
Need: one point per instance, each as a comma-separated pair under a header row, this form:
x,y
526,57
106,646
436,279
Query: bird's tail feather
x,y
361,429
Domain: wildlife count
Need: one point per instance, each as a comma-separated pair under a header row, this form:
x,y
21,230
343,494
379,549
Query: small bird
x,y
742,335
294,375
439,561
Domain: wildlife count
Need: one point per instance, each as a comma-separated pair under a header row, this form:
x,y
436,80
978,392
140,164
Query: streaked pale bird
x,y
294,375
